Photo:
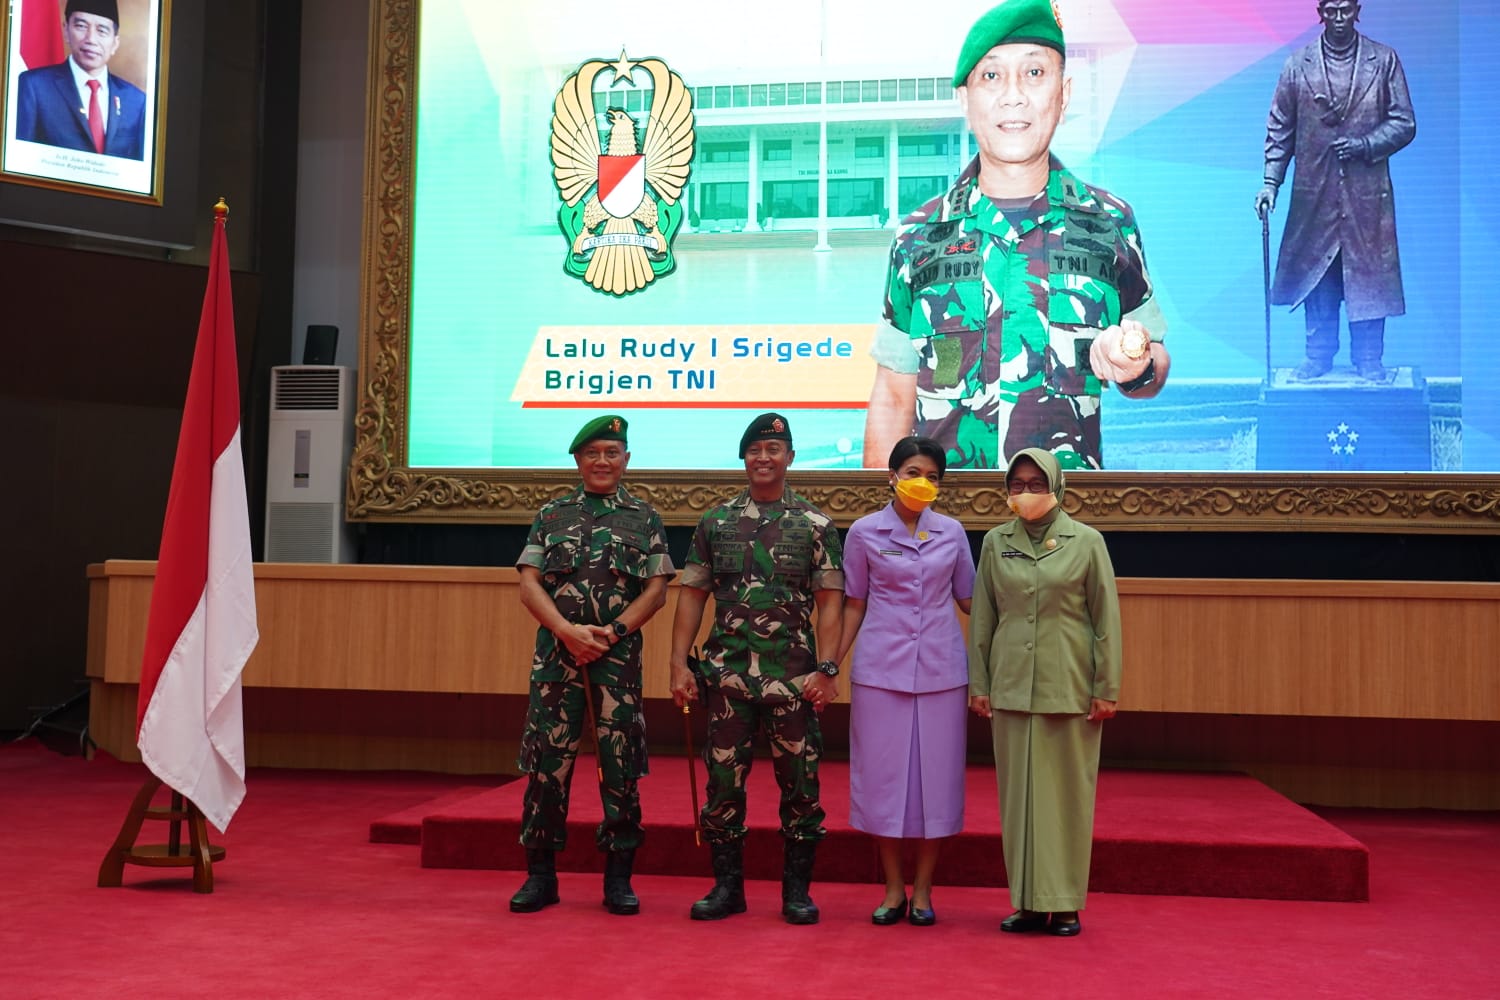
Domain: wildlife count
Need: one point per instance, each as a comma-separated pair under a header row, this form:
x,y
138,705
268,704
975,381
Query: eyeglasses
x,y
1028,486
605,454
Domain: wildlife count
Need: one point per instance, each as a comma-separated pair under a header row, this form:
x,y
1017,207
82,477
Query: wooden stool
x,y
199,852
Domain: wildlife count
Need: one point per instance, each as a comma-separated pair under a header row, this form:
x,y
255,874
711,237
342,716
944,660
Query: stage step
x,y
1155,832
405,827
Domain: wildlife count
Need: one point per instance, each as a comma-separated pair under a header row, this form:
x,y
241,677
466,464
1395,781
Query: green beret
x,y
1012,22
766,427
606,428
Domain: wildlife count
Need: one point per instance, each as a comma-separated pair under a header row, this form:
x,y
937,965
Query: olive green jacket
x,y
1044,632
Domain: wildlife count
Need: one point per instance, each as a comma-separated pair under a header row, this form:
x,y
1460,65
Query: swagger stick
x,y
695,666
687,735
588,703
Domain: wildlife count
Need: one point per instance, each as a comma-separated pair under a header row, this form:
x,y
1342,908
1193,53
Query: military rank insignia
x,y
621,176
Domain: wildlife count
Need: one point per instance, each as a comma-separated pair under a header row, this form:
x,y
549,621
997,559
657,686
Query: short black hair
x,y
914,445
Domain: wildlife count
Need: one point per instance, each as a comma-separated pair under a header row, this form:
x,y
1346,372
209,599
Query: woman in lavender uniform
x,y
905,567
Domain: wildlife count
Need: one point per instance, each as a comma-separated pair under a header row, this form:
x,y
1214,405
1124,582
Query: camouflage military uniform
x,y
595,555
996,320
762,563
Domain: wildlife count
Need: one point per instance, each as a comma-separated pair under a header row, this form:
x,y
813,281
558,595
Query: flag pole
x,y
588,704
201,627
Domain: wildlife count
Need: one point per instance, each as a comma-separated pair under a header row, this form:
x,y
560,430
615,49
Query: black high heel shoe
x,y
884,916
922,918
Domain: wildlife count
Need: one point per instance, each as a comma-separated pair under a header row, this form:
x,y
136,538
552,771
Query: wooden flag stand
x,y
199,852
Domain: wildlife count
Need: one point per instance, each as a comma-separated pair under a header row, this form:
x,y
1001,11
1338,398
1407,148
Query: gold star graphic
x,y
622,68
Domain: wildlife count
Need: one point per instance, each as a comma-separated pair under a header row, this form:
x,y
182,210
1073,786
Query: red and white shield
x,y
622,184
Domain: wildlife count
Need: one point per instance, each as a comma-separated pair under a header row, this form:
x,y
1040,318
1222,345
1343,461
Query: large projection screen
x,y
813,129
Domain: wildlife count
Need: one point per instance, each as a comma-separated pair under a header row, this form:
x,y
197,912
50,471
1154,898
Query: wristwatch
x,y
828,668
621,630
1142,380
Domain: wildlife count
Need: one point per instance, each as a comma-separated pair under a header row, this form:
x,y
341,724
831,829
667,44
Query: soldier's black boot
x,y
619,898
540,887
727,897
796,875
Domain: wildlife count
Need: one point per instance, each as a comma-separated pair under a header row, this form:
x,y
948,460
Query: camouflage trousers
x,y
791,728
555,722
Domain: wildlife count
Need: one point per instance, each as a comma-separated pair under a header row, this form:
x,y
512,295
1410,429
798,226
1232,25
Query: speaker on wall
x,y
321,346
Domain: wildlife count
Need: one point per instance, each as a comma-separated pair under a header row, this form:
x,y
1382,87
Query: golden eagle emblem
x,y
621,188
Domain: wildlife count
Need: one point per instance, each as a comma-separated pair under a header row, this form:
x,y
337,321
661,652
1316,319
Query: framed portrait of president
x,y
84,95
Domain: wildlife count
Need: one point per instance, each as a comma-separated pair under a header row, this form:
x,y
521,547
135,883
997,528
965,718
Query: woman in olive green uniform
x,y
1044,667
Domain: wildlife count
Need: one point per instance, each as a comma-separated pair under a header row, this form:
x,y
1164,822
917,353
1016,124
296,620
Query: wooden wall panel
x,y
1335,692
1288,647
369,628
1257,647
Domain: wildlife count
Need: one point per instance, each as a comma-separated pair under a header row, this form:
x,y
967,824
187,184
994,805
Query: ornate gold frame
x,y
383,488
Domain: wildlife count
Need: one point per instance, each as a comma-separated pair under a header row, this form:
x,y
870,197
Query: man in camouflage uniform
x,y
767,557
594,570
1014,297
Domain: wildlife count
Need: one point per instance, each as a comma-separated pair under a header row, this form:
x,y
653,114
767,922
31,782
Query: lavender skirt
x,y
906,761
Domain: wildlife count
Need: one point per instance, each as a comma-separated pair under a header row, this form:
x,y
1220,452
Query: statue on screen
x,y
1341,109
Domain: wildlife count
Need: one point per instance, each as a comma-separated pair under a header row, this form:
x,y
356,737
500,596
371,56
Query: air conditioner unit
x,y
307,457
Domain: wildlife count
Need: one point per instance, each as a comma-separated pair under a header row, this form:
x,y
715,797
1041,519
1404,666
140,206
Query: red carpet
x,y
405,827
305,906
1157,832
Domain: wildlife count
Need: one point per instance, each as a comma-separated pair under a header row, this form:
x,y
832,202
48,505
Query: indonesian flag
x,y
201,627
41,34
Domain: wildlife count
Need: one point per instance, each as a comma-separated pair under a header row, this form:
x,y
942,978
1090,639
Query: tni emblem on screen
x,y
622,146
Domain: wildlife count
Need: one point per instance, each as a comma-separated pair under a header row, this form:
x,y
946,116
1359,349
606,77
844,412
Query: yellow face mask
x,y
1032,506
916,493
